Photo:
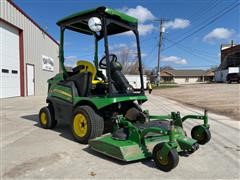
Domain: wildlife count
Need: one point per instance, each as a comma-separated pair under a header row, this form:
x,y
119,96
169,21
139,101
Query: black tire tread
x,y
96,122
51,122
173,156
54,121
207,135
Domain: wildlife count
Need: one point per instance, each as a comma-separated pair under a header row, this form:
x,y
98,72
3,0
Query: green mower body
x,y
104,110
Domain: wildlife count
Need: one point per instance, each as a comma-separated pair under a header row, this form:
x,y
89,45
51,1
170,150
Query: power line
x,y
204,10
215,4
196,51
202,20
148,39
194,54
205,25
150,53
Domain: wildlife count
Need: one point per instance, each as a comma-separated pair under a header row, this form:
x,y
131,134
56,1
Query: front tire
x,y
201,134
86,124
165,163
46,117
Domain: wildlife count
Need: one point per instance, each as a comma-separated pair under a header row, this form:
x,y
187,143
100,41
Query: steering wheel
x,y
103,62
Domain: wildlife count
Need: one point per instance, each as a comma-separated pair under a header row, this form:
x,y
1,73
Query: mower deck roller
x,y
96,98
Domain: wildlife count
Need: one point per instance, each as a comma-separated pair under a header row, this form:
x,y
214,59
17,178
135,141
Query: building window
x,y
14,71
5,71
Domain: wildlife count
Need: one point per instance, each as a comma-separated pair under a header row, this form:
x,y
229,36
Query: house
x,y
186,76
230,62
28,54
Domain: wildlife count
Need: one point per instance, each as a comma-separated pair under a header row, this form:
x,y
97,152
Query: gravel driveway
x,y
218,98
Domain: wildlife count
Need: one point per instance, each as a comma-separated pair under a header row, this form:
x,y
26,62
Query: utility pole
x,y
161,31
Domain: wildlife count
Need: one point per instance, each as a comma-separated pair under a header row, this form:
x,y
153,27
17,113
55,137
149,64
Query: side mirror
x,y
95,24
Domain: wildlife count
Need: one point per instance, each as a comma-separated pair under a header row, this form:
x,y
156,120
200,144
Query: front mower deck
x,y
158,137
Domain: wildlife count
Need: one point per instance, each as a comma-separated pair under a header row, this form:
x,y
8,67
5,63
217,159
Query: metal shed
x,y
28,54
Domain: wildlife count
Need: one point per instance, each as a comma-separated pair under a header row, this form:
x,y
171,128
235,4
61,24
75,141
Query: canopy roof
x,y
79,21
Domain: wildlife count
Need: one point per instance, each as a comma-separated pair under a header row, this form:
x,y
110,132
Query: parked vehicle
x,y
233,77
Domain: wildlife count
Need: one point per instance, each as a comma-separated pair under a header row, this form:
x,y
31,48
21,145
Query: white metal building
x,y
230,62
135,81
28,55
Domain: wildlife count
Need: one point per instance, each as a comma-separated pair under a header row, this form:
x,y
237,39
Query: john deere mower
x,y
104,110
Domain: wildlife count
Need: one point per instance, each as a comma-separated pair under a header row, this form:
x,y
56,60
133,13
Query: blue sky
x,y
199,51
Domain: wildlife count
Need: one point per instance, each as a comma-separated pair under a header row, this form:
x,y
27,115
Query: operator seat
x,y
121,83
87,66
82,82
82,75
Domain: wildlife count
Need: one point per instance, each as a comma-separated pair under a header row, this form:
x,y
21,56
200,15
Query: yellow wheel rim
x,y
80,125
163,161
43,118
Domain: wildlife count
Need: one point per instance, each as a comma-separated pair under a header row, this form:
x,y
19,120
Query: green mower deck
x,y
143,141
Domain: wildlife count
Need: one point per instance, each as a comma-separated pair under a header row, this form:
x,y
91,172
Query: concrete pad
x,y
28,151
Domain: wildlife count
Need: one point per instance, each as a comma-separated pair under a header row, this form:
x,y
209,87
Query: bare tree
x,y
124,59
213,68
133,68
129,60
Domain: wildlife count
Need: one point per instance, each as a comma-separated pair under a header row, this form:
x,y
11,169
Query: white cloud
x,y
143,14
117,46
174,60
177,23
70,60
134,44
219,34
143,55
143,29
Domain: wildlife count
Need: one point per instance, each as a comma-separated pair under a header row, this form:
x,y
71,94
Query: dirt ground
x,y
218,98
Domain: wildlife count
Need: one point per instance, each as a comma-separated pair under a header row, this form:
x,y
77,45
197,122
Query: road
x,y
29,151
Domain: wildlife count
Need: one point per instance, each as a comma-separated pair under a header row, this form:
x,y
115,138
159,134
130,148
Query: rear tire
x,y
169,162
46,117
86,124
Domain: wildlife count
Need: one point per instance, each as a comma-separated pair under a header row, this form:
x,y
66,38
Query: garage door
x,y
9,61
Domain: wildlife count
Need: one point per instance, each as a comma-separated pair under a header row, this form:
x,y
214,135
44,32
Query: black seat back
x,y
83,82
120,81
